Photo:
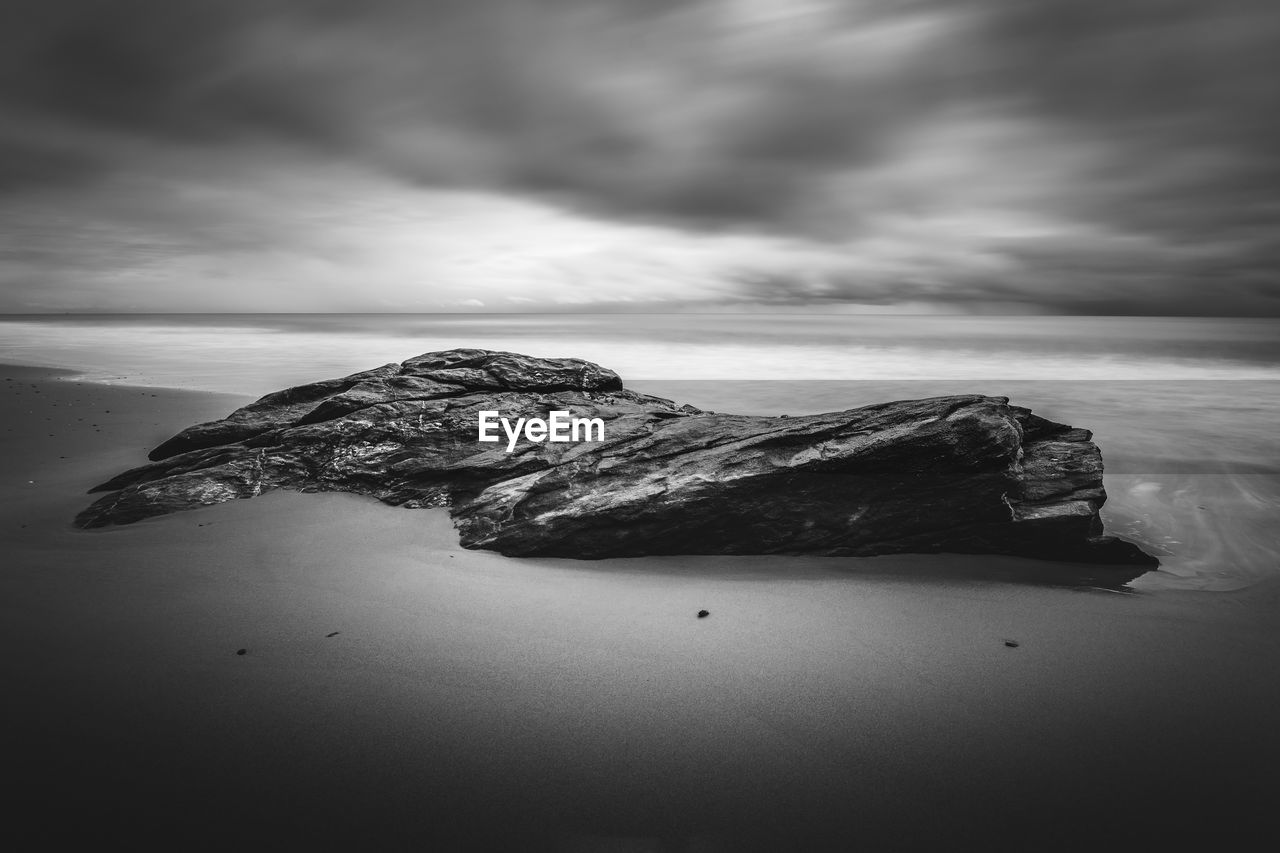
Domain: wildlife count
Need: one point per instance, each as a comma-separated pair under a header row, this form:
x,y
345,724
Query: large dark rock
x,y
962,474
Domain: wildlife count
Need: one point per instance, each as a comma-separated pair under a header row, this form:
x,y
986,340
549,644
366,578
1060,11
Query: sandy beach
x,y
399,692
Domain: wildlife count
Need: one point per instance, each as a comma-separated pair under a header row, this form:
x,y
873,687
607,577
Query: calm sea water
x,y
257,353
1184,409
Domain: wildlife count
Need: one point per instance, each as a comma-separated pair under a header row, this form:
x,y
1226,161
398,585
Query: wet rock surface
x,y
968,474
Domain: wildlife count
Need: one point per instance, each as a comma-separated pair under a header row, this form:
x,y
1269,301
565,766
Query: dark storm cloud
x,y
24,164
752,116
1182,90
167,68
419,86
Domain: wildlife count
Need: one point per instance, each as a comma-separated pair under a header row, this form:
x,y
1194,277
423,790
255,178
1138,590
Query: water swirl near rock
x,y
968,474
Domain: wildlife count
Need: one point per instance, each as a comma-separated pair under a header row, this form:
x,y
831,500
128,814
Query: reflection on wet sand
x,y
1210,531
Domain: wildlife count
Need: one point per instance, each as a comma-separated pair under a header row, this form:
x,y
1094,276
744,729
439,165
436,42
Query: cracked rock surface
x,y
968,474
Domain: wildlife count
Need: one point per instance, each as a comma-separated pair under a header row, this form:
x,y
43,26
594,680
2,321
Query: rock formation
x,y
969,474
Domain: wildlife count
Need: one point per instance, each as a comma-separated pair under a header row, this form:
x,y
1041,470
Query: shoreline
x,y
478,701
1149,509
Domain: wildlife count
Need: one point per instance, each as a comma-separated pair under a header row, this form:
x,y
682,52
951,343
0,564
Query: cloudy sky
x,y
1072,156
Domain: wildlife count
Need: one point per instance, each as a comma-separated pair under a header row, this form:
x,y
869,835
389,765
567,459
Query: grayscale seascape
x,y
927,362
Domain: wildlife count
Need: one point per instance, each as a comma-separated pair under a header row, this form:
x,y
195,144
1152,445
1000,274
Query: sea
x,y
1184,409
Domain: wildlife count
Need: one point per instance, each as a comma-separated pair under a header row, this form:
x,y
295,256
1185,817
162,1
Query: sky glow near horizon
x,y
1066,156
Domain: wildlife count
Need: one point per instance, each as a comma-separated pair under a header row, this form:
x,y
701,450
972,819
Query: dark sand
x,y
469,701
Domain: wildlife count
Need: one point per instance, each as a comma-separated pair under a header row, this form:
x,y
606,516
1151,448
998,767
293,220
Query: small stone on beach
x,y
702,614
1013,644
242,651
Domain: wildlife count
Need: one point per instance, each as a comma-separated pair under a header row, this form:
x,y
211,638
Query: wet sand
x,y
397,691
